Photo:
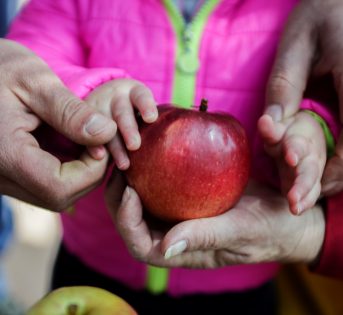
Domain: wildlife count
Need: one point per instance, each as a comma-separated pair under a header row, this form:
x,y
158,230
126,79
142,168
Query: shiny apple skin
x,y
191,164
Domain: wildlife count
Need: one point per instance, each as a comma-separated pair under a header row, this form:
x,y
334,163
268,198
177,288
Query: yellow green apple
x,y
81,300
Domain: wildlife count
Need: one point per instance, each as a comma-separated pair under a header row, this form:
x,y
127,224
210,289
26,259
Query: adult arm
x,y
330,260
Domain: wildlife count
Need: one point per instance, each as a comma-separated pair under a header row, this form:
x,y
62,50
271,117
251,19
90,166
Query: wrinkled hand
x,y
118,99
258,229
29,93
311,45
298,146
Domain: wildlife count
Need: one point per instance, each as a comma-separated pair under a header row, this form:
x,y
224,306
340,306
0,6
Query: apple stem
x,y
203,105
72,309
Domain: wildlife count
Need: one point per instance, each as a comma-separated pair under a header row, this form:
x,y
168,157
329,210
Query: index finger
x,y
59,184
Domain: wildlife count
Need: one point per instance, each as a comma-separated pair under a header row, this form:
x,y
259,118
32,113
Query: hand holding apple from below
x,y
191,163
81,300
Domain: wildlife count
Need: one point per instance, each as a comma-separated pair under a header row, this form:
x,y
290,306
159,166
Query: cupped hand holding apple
x,y
259,228
81,300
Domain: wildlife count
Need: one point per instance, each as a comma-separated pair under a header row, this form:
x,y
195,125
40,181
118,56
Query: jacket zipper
x,y
187,64
188,36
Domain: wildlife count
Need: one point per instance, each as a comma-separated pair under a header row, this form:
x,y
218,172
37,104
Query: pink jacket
x,y
225,56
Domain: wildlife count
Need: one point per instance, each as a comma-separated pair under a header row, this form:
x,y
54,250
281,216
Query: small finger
x,y
119,153
124,116
97,152
142,98
310,199
270,131
295,149
306,181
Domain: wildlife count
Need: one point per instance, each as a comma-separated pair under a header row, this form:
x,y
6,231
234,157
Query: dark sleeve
x,y
331,259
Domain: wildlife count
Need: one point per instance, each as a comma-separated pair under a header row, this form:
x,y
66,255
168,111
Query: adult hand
x,y
311,45
29,93
258,229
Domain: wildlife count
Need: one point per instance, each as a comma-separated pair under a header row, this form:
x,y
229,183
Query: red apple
x,y
81,300
191,164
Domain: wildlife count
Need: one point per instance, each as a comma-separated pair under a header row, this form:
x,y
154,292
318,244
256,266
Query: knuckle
x,y
210,239
279,81
140,92
120,116
72,112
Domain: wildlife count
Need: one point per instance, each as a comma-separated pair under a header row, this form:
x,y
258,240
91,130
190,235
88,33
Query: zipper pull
x,y
188,61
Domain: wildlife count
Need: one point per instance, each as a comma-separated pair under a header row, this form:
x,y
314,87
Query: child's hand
x,y
119,99
299,147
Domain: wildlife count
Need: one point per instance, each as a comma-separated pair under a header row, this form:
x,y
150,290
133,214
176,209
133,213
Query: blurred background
x,y
26,260
29,254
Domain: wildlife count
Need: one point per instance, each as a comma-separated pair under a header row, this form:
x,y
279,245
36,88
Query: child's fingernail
x,y
134,143
275,111
295,159
98,152
150,116
123,164
122,160
175,249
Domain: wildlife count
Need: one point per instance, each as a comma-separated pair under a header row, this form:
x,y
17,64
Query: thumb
x,y
62,110
291,69
115,188
199,234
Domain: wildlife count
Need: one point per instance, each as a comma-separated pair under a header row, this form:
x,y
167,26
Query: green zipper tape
x,y
330,141
157,279
187,50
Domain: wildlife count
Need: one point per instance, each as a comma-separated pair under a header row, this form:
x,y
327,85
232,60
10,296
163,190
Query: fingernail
x,y
123,164
295,159
126,194
98,153
150,116
96,124
175,249
134,143
299,209
275,111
